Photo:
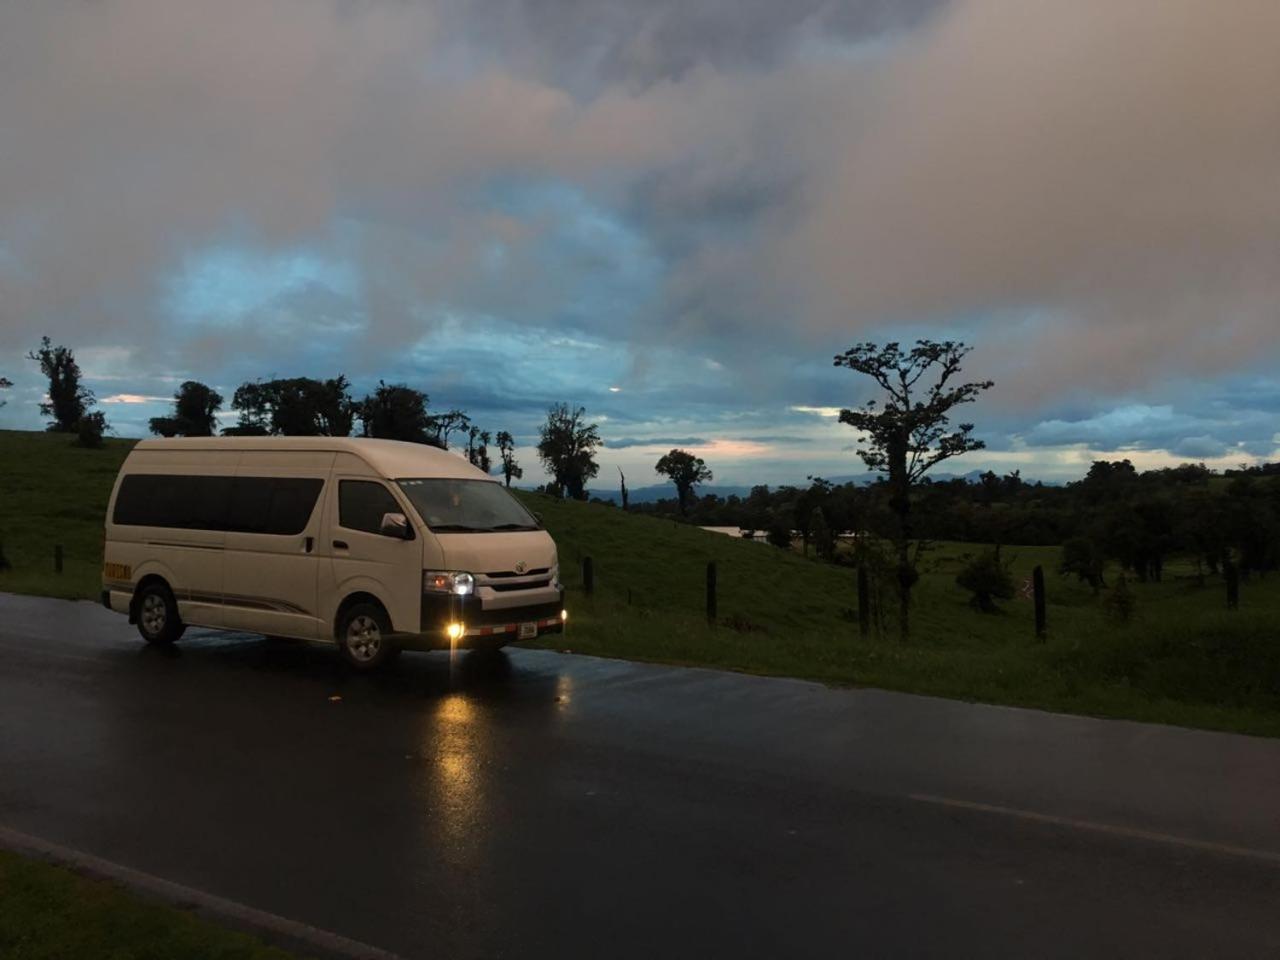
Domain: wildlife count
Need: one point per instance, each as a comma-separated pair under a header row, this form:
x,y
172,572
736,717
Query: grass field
x,y
48,913
1184,659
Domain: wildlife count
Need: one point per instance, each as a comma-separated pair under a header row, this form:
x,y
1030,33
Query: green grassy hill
x,y
52,492
1185,658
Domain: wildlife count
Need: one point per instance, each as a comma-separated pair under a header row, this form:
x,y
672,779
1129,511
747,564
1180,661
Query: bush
x,y
988,578
1121,601
1082,557
780,533
89,429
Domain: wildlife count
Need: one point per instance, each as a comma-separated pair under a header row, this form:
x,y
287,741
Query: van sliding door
x,y
270,576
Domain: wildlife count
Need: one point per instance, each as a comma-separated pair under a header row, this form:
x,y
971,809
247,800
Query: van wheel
x,y
158,619
364,637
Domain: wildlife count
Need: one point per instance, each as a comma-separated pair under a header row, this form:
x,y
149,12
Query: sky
x,y
672,213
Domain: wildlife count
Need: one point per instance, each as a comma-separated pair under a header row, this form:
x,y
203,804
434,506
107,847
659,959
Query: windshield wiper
x,y
513,526
458,528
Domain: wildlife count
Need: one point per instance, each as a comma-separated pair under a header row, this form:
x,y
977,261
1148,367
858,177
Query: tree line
x,y
1115,516
306,406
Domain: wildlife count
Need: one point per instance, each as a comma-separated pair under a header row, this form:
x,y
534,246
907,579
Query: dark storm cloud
x,y
585,45
625,442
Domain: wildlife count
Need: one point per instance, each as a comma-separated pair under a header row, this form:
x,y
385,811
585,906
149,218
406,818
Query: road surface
x,y
562,806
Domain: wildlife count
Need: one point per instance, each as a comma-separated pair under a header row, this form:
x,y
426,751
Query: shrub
x,y
1082,557
988,578
1121,601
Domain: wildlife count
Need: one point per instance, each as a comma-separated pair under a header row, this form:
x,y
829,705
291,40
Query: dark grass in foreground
x,y
1185,659
50,913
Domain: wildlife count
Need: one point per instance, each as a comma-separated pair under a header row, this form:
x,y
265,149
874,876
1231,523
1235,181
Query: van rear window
x,y
271,505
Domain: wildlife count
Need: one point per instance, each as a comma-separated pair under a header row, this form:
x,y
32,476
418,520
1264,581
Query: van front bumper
x,y
483,626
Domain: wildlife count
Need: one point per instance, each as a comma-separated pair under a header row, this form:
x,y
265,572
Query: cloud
x,y
509,204
626,442
584,45
1111,166
133,398
818,411
1192,429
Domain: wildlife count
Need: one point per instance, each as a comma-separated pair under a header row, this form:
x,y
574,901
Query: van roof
x,y
392,459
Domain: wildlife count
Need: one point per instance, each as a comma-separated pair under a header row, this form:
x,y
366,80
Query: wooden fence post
x,y
864,602
1231,573
1037,581
711,593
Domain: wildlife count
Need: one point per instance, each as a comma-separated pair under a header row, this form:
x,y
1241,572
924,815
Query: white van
x,y
374,545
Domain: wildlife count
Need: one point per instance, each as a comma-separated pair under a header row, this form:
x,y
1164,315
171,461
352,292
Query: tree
x,y
5,384
335,409
622,479
251,400
507,450
396,412
684,470
911,432
824,541
567,450
443,424
68,399
295,407
478,453
195,409
89,429
812,499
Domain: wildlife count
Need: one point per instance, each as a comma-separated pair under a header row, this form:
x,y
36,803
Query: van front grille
x,y
522,585
500,574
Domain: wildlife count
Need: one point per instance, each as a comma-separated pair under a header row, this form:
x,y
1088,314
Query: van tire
x,y
158,620
364,636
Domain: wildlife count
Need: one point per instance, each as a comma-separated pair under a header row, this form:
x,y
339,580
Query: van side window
x,y
185,502
273,505
361,504
292,500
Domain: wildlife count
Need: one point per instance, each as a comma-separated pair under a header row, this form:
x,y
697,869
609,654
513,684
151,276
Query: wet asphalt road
x,y
572,807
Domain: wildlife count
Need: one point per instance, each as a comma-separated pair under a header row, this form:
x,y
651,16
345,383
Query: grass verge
x,y
51,913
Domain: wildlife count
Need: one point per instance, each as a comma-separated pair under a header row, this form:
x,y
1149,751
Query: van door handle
x,y
309,543
340,545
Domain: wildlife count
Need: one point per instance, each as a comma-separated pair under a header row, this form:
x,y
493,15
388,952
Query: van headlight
x,y
456,582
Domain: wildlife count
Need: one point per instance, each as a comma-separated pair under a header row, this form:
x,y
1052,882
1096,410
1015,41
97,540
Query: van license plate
x,y
528,631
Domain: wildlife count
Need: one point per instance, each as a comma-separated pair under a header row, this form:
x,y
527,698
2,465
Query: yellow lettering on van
x,y
117,571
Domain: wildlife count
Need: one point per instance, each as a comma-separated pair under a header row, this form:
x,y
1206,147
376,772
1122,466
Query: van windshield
x,y
466,506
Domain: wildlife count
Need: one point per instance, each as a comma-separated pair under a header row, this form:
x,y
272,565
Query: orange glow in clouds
x,y
730,449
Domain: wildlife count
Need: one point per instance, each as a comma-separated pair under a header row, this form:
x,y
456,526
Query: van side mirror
x,y
395,525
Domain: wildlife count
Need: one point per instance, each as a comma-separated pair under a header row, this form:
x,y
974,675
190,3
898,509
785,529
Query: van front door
x,y
364,560
271,576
